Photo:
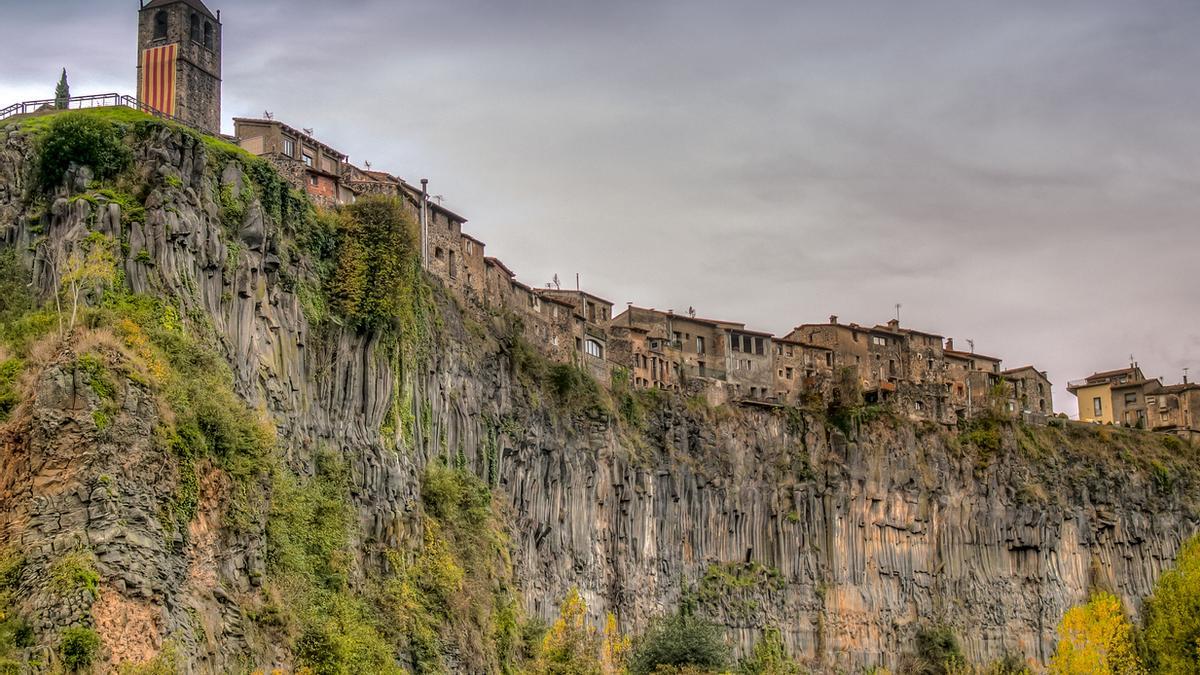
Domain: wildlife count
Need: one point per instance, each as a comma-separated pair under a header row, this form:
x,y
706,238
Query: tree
x,y
1172,616
571,646
62,93
680,640
1096,639
90,266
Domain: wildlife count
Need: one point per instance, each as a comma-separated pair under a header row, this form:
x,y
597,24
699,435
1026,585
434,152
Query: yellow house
x,y
1113,396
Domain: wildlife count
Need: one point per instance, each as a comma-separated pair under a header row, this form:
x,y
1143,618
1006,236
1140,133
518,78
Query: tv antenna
x,y
971,344
308,131
268,114
438,198
557,284
367,164
692,312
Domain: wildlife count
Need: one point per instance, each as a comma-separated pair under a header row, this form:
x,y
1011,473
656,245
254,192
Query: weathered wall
x,y
852,543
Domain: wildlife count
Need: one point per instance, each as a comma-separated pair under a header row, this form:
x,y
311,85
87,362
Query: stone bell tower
x,y
179,61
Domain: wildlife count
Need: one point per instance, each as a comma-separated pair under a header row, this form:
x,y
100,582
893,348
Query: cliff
x,y
224,467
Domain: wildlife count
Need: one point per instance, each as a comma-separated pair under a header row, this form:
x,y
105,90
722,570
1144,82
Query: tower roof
x,y
194,4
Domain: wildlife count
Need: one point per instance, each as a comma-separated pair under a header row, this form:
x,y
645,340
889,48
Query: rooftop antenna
x,y
1185,375
692,312
898,305
577,282
557,284
971,344
268,114
308,130
438,198
367,164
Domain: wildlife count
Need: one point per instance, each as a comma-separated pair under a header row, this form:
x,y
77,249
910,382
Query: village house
x,y
302,160
690,350
972,381
802,371
1031,391
876,356
589,334
1114,396
1175,409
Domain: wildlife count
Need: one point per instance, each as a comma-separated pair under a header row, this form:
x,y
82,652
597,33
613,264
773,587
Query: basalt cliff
x,y
210,467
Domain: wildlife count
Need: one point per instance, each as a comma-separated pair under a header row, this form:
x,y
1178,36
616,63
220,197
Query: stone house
x,y
696,345
497,284
302,160
749,362
971,380
876,355
1031,391
1114,396
801,370
1175,409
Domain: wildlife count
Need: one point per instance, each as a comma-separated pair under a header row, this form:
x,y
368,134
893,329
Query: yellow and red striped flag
x,y
158,78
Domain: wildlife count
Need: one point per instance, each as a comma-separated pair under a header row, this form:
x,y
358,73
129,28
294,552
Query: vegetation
x,y
80,139
1096,639
1171,637
737,586
677,641
78,648
62,92
74,572
769,658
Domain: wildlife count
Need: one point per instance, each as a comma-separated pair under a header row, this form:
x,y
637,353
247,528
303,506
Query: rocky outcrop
x,y
846,542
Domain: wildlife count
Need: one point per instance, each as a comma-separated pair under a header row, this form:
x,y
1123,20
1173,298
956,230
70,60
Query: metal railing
x,y
84,103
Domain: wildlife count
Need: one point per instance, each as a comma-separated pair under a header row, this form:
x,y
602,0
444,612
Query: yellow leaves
x,y
615,647
1096,639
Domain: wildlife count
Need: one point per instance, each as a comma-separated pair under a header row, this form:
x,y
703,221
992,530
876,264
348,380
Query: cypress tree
x,y
62,93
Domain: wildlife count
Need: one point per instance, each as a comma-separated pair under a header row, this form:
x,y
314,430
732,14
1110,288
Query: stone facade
x,y
1030,390
1175,409
197,31
306,163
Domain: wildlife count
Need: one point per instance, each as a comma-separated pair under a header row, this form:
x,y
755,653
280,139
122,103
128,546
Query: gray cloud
x,y
1023,173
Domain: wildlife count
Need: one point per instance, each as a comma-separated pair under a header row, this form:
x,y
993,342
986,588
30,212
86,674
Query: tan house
x,y
302,160
971,380
1114,396
1031,390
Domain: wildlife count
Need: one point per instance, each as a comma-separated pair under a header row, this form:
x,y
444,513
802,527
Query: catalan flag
x,y
158,78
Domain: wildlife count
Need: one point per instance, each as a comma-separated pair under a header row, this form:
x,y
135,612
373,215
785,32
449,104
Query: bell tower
x,y
179,61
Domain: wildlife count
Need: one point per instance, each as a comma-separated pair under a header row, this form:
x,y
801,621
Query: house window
x,y
746,347
789,373
758,346
879,341
829,359
699,344
289,147
453,267
736,343
308,160
1097,407
313,180
1131,399
161,23
593,348
195,32
208,35
438,252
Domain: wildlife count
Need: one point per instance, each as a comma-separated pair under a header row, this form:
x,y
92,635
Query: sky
x,y
1022,174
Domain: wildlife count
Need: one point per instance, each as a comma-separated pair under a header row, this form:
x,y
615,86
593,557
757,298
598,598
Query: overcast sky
x,y
1023,174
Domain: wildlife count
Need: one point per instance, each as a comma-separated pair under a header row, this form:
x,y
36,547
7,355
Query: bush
x,y
73,572
679,640
78,648
80,139
1172,616
571,645
769,657
937,652
1096,639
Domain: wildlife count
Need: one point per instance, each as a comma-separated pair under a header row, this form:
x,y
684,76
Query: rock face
x,y
846,542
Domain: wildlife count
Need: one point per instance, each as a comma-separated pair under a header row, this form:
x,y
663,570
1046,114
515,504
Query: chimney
x,y
833,319
950,344
894,324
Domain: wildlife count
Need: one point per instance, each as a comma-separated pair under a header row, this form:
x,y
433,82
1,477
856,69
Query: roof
x,y
1013,371
541,293
496,261
583,293
900,330
969,355
801,343
194,4
416,191
1176,388
467,236
291,130
1110,373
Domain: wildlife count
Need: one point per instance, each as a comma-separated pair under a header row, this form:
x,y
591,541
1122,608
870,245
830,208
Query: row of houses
x,y
920,372
1126,397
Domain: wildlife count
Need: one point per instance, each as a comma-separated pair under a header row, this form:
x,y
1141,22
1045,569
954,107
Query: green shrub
x,y
78,647
769,657
73,572
81,139
937,651
10,395
16,298
679,640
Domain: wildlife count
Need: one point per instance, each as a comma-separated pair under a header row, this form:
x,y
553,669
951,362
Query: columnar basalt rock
x,y
847,543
